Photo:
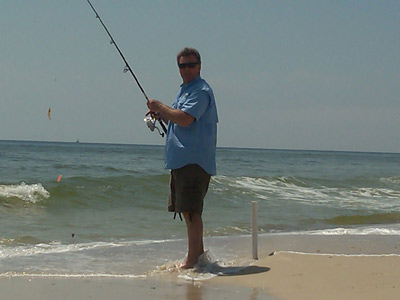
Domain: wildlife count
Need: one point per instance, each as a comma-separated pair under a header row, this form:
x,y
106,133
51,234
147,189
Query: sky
x,y
310,75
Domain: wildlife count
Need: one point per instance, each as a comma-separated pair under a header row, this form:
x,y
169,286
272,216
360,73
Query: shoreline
x,y
283,275
303,267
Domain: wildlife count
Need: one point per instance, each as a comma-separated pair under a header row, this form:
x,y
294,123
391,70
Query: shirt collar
x,y
194,81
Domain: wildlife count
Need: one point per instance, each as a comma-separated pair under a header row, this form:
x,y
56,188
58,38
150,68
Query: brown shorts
x,y
188,187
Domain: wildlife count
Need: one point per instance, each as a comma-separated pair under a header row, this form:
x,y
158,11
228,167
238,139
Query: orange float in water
x,y
59,178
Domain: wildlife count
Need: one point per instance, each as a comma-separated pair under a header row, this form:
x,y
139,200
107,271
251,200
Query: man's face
x,y
189,68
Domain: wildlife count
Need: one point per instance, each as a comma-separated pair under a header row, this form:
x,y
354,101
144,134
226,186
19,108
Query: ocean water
x,y
107,215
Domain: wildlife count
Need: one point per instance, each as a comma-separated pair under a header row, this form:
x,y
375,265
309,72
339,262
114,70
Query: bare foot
x,y
187,265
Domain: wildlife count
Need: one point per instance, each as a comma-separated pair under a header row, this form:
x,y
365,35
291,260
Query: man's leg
x,y
194,224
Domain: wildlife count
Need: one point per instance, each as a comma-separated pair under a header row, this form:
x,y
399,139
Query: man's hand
x,y
154,105
167,113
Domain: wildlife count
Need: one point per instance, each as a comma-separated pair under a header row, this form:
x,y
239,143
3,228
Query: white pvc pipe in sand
x,y
254,227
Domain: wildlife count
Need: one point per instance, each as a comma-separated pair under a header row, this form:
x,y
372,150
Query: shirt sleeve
x,y
196,104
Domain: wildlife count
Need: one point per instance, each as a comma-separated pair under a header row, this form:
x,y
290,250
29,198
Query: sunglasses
x,y
189,64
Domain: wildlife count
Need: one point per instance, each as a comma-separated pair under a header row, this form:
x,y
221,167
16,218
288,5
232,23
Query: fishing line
x,y
150,121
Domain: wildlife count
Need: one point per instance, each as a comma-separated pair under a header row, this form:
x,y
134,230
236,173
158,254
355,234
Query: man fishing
x,y
190,148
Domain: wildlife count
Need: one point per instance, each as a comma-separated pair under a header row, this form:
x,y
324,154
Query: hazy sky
x,y
320,75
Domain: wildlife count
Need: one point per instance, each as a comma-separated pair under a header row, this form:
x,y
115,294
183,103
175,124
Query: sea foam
x,y
26,192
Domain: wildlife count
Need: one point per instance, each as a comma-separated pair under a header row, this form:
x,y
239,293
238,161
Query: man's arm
x,y
176,116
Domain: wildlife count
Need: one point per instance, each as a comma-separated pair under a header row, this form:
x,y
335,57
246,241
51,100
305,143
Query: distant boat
x,y
77,141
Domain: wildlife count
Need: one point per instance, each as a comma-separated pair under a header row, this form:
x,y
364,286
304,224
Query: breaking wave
x,y
32,193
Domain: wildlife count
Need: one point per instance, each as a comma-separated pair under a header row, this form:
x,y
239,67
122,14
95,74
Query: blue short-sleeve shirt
x,y
196,143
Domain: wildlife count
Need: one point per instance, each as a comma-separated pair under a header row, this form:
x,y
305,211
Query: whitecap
x,y
32,193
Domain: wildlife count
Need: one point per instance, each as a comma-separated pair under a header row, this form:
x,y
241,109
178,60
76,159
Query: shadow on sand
x,y
218,270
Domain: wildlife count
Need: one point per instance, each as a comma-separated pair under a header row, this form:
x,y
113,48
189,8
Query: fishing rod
x,y
150,120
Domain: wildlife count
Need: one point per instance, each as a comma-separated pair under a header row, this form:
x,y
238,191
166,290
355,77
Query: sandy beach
x,y
300,267
325,267
317,276
280,276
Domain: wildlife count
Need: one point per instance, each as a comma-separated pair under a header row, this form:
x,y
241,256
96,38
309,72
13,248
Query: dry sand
x,y
308,277
363,267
